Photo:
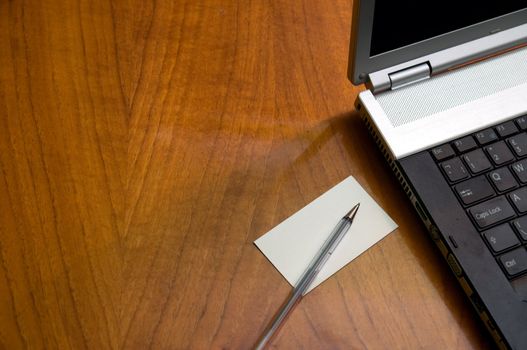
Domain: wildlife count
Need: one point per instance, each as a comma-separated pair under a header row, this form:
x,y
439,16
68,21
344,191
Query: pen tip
x,y
351,214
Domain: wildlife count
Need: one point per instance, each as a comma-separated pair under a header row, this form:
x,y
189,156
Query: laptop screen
x,y
401,23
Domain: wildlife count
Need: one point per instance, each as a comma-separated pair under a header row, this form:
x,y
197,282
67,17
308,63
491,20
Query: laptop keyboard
x,y
488,173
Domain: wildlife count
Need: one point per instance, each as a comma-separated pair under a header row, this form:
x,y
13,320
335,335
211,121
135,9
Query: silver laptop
x,y
447,105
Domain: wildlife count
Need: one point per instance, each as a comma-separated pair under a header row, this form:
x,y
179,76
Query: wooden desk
x,y
145,145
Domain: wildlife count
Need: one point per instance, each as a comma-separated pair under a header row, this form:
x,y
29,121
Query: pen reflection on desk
x,y
314,267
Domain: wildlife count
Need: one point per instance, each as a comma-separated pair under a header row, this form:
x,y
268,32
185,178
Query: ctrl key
x,y
514,262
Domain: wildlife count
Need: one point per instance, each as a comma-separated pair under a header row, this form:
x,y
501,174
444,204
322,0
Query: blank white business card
x,y
292,244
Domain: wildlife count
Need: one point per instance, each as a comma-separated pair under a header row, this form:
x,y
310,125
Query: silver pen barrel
x,y
311,272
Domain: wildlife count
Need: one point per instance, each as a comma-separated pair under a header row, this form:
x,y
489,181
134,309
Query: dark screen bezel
x,y
363,63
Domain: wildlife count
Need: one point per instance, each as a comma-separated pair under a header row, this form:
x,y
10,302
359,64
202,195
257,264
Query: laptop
x,y
447,105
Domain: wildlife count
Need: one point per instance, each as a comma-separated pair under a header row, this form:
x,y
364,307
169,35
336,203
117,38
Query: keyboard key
x,y
492,211
465,144
514,262
520,225
454,169
518,144
501,237
486,136
474,190
519,199
443,152
477,161
503,180
520,170
521,122
507,129
499,153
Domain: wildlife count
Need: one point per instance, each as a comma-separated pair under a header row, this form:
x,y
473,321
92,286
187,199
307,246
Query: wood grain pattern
x,y
145,145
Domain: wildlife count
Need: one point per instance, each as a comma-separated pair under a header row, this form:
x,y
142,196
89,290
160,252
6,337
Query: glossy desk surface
x,y
144,145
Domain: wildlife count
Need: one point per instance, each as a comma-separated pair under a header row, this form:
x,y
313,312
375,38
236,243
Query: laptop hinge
x,y
409,76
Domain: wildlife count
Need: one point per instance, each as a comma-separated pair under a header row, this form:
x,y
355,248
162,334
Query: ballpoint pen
x,y
314,267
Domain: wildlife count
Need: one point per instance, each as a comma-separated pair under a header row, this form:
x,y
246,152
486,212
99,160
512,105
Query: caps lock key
x,y
492,211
